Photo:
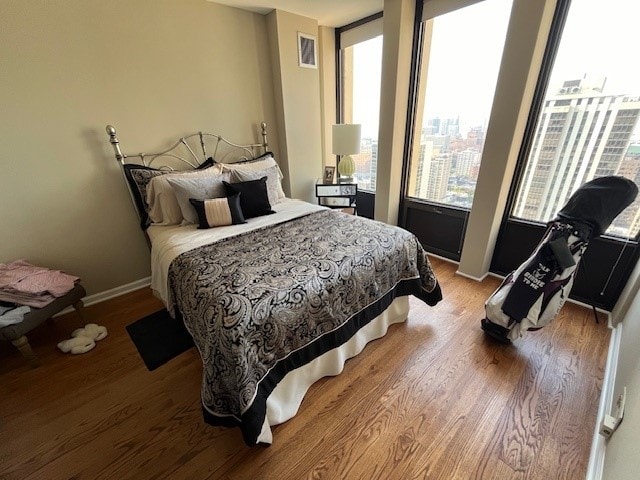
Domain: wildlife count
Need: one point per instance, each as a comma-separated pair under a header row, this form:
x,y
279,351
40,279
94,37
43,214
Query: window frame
x,y
623,253
340,96
422,15
537,105
453,218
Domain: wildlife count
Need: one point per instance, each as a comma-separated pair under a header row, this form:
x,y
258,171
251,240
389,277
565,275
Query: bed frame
x,y
248,151
182,154
285,384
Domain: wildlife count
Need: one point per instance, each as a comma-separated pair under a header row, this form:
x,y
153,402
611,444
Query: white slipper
x,y
91,330
77,345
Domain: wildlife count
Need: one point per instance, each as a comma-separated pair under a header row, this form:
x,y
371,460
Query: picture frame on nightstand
x,y
329,173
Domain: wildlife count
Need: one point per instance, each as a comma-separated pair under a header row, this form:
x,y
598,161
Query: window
x,y
360,76
588,125
462,51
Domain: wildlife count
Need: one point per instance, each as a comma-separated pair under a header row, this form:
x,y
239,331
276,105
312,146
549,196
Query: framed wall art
x,y
307,51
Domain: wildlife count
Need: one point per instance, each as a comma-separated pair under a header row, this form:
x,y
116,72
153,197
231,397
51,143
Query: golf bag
x,y
531,296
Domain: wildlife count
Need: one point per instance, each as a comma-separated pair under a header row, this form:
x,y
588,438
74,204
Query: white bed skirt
x,y
285,400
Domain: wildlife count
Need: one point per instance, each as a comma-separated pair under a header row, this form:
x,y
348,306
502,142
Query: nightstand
x,y
337,195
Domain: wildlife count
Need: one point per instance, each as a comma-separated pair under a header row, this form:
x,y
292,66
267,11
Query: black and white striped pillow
x,y
218,212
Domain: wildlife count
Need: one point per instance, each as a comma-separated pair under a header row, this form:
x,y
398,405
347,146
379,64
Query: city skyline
x,y
579,54
459,93
583,133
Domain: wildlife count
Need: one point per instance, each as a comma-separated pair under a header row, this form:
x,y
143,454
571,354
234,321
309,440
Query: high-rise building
x,y
366,164
443,159
438,168
432,127
442,126
465,162
363,164
583,134
374,163
419,178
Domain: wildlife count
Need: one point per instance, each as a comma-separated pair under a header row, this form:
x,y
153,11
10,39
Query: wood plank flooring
x,y
433,399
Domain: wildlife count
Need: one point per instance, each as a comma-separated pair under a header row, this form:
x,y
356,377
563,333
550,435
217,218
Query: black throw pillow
x,y
254,200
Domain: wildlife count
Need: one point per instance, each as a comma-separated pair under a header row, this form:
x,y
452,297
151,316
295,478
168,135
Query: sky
x,y
367,72
466,50
601,42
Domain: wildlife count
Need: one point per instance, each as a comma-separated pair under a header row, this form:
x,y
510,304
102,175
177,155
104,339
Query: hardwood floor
x,y
432,399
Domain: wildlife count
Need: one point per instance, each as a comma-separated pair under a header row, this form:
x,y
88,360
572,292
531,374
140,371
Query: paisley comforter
x,y
266,302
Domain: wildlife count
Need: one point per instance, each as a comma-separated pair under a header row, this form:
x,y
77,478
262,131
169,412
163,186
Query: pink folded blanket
x,y
26,284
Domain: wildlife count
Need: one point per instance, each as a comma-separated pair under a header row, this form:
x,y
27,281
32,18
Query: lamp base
x,y
346,167
345,179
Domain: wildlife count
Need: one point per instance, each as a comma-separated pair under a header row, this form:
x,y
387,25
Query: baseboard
x,y
590,307
465,275
440,257
570,300
477,279
112,293
599,444
116,292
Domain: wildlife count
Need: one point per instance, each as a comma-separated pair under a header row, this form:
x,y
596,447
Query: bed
x,y
278,300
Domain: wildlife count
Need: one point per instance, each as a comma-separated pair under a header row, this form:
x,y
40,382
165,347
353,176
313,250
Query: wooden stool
x,y
16,333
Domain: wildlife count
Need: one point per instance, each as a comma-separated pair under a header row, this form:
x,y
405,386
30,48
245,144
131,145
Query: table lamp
x,y
346,141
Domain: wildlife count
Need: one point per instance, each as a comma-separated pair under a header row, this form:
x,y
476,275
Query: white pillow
x,y
164,208
274,186
198,188
265,161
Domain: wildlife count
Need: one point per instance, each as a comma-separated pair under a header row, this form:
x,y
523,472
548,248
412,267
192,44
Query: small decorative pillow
x,y
254,199
199,188
218,212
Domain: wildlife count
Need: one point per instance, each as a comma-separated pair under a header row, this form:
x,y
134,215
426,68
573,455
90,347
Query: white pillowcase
x,y
265,161
274,186
198,188
164,208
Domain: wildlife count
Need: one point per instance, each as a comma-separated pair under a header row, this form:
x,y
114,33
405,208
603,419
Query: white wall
x,y
154,69
623,448
327,55
297,99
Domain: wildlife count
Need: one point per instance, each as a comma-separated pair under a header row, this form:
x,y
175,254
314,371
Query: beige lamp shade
x,y
346,141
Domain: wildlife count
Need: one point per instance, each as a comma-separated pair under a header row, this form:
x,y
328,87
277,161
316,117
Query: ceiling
x,y
330,13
